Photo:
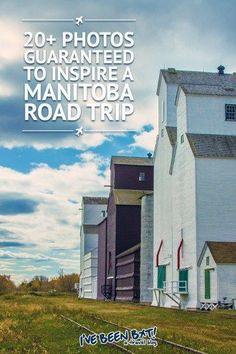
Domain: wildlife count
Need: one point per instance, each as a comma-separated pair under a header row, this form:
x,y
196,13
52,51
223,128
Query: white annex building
x,y
93,212
217,264
194,180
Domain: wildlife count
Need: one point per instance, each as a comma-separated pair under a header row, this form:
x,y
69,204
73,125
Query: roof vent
x,y
149,155
172,70
221,69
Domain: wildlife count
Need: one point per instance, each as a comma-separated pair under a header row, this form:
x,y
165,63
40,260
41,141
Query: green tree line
x,y
61,283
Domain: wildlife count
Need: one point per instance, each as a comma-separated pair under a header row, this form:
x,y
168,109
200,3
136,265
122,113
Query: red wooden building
x,y
120,232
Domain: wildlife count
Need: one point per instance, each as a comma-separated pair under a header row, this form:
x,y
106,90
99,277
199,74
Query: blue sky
x,y
43,177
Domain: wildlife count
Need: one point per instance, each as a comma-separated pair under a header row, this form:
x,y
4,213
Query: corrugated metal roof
x,y
216,90
126,160
223,252
128,196
181,77
214,146
95,200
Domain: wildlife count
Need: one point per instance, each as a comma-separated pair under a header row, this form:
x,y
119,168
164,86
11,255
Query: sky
x,y
43,177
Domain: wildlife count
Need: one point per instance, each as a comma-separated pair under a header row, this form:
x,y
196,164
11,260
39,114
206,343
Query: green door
x,y
161,276
207,284
183,280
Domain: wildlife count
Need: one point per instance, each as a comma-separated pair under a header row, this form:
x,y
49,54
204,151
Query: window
x,y
183,280
182,138
161,276
230,112
141,177
207,260
103,213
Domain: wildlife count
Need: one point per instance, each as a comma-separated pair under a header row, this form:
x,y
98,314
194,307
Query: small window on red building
x,y
103,213
141,177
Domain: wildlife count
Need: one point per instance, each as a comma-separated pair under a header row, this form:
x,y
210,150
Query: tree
x,y
63,283
6,284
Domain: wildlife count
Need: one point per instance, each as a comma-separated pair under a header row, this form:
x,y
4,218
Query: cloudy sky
x,y
42,177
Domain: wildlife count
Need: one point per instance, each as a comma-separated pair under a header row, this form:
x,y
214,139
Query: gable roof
x,y
183,77
127,160
222,252
94,200
212,146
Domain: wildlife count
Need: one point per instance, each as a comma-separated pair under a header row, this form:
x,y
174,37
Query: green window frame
x,y
183,276
161,276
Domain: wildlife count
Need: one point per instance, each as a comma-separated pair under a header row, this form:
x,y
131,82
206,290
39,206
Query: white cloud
x,y
7,89
89,156
21,255
54,226
6,266
145,140
81,143
11,41
32,268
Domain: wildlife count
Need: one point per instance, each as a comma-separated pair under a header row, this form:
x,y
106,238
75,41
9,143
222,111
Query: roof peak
x,y
223,252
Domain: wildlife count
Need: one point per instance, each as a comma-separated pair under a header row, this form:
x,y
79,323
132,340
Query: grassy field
x,y
32,324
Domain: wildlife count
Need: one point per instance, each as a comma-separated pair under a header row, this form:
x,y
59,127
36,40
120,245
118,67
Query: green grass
x,y
32,324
